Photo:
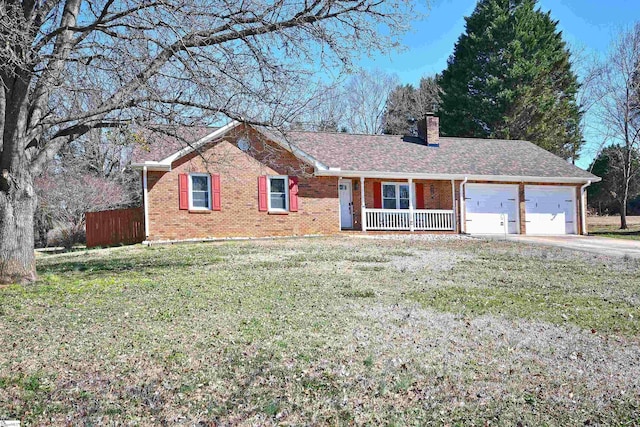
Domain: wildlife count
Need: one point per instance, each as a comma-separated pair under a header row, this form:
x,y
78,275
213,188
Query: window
x,y
395,195
389,200
278,193
199,191
403,196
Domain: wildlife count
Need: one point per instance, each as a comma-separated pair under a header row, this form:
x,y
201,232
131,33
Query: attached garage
x,y
491,209
550,210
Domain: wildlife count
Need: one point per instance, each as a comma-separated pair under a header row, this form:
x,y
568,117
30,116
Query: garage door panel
x,y
491,209
541,223
550,209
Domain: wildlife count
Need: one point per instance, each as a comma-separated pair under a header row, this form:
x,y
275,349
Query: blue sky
x,y
587,25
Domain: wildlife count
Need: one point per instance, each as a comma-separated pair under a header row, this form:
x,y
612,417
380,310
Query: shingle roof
x,y
466,156
392,153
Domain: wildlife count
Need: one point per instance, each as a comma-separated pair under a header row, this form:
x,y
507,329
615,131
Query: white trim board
x,y
457,177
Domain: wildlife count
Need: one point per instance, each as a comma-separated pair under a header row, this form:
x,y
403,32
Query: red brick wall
x,y
239,217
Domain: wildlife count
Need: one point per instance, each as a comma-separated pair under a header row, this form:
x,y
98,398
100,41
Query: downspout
x,y
454,204
145,202
583,208
463,223
363,213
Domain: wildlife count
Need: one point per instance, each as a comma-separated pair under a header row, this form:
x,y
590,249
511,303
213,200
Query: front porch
x,y
376,204
409,220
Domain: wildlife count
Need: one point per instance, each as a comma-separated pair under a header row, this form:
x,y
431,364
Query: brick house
x,y
251,181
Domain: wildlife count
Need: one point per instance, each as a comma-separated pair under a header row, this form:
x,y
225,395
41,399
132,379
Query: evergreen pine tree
x,y
510,77
400,111
407,104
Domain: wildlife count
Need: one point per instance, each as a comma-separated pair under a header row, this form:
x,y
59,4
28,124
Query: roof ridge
x,y
484,139
342,133
389,135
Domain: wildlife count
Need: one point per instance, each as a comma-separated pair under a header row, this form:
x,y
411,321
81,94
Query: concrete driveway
x,y
593,244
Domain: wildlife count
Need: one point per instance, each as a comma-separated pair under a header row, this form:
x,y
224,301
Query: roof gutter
x,y
457,177
583,208
152,166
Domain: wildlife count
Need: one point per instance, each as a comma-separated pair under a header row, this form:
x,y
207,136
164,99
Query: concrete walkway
x,y
593,244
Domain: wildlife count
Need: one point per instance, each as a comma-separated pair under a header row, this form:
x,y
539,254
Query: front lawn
x,y
324,331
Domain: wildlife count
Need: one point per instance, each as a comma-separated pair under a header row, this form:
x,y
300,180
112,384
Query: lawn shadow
x,y
617,232
124,264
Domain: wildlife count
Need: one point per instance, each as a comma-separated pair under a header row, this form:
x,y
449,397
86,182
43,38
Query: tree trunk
x,y
17,207
623,216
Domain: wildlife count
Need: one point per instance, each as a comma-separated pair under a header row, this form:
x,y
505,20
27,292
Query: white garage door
x,y
491,209
550,209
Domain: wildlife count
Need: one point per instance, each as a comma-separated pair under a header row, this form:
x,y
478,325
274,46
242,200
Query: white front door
x,y
491,209
346,203
550,209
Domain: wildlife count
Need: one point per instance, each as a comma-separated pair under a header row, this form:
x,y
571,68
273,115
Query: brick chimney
x,y
429,129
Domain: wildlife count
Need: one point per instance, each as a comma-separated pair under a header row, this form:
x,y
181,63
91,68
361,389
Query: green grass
x,y
611,228
553,306
323,332
622,234
585,295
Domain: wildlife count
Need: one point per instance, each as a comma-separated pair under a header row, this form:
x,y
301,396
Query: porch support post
x,y
453,202
339,206
411,224
363,214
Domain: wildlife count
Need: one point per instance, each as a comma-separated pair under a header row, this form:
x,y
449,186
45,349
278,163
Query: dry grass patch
x,y
609,226
324,331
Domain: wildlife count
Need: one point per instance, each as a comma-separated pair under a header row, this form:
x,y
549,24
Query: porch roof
x,y
396,154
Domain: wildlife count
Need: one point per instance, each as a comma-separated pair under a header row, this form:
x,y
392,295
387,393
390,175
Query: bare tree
x,y
366,97
66,195
326,111
610,166
69,66
89,174
618,109
587,98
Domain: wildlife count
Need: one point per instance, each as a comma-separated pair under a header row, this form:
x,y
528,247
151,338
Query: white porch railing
x,y
399,219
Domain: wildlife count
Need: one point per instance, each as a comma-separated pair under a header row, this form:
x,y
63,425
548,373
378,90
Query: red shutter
x,y
377,195
215,190
262,194
183,190
293,194
419,195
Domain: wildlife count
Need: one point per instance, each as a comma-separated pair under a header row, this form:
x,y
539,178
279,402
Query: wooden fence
x,y
116,227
